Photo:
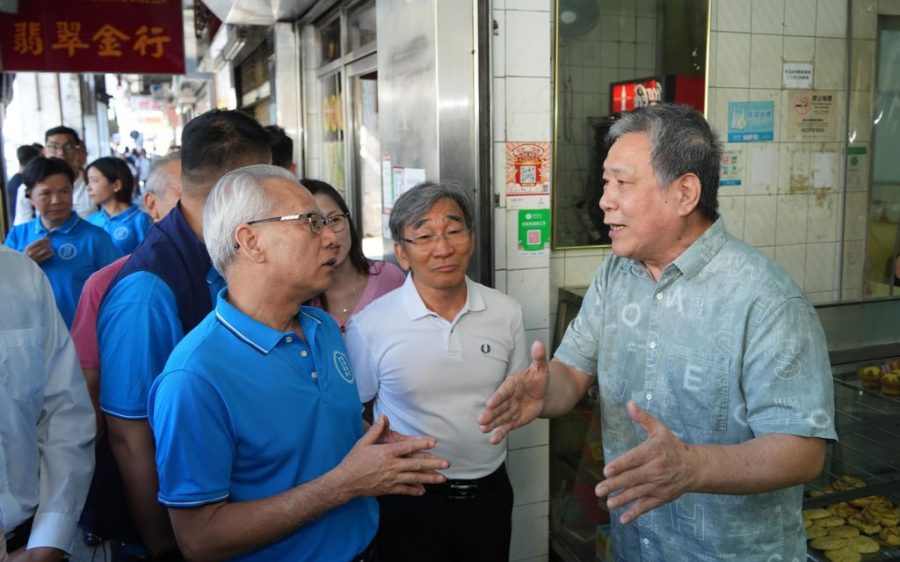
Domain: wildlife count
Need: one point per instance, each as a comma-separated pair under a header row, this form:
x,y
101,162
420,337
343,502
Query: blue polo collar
x,y
64,228
256,334
132,209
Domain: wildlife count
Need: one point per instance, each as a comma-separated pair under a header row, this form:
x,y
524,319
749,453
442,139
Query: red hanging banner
x,y
130,36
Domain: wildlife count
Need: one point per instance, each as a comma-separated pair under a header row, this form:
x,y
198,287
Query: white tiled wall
x,y
522,112
791,203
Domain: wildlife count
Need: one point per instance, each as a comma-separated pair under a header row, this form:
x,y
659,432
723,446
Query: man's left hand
x,y
654,473
39,554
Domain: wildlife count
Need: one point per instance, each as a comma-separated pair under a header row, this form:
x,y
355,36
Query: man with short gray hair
x,y
429,354
162,188
715,390
261,449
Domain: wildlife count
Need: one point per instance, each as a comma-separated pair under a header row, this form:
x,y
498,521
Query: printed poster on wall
x,y
534,232
812,115
857,166
527,169
732,168
751,121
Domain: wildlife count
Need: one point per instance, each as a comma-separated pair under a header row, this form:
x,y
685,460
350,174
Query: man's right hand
x,y
374,468
519,399
39,250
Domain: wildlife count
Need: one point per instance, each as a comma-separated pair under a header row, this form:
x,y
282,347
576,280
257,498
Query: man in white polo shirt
x,y
429,354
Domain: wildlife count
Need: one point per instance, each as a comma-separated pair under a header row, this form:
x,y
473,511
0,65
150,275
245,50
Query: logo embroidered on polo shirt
x,y
120,233
342,364
485,348
67,251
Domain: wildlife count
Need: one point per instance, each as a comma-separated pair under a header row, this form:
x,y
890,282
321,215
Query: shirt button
x,y
659,296
645,541
652,345
649,396
314,375
289,339
303,353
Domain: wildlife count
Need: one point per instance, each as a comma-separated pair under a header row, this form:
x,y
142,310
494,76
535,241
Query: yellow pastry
x,y
828,543
814,532
843,510
864,545
890,383
870,377
833,521
890,535
843,555
843,532
816,513
864,525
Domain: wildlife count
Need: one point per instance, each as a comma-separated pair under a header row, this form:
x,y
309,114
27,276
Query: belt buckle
x,y
462,490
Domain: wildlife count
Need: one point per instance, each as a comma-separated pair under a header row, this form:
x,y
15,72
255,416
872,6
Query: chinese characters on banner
x,y
134,36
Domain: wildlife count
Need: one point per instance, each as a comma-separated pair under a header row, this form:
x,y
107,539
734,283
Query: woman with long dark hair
x,y
356,280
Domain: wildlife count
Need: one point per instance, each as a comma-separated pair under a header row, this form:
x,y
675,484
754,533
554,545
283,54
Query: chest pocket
x,y
697,388
22,364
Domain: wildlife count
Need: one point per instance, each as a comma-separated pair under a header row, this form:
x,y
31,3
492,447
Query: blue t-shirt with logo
x,y
79,249
244,412
127,229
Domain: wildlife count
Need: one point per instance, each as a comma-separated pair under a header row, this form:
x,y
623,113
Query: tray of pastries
x,y
881,377
861,529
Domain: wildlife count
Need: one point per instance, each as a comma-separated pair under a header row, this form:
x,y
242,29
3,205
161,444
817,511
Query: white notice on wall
x,y
798,75
825,170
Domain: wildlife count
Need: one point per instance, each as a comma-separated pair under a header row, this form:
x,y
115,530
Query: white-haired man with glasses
x,y
428,355
261,450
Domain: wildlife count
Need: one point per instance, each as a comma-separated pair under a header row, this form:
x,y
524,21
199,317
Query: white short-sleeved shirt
x,y
430,376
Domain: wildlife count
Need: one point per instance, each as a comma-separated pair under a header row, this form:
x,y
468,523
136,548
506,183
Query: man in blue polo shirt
x,y
66,247
165,289
261,449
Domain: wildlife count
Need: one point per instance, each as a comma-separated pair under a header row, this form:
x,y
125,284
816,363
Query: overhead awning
x,y
258,12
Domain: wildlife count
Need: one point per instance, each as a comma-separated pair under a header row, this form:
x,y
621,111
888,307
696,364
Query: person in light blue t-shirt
x,y
111,185
66,247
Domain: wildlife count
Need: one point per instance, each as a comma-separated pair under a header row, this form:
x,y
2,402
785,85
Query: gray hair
x,y
237,198
681,142
159,177
413,204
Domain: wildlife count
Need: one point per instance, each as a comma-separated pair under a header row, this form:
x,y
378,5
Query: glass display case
x,y
864,462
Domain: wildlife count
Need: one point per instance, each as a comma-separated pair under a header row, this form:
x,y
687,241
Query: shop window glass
x,y
608,60
362,26
330,40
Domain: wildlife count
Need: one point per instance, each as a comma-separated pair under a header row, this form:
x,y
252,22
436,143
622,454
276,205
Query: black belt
x,y
18,537
370,554
466,489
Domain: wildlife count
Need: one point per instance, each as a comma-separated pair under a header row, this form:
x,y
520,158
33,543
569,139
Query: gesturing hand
x,y
396,467
519,399
40,250
654,473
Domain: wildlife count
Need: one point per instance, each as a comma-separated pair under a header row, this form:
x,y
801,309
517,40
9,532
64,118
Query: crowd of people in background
x,y
255,388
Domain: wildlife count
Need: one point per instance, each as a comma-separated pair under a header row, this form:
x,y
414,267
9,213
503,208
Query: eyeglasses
x,y
337,223
315,221
455,237
68,147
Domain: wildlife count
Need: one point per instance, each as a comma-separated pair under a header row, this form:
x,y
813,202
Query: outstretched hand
x,y
519,399
654,473
382,463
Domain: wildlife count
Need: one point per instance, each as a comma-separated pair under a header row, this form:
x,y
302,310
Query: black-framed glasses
x,y
315,221
454,237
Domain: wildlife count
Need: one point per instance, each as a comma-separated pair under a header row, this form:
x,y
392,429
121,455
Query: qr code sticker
x,y
533,237
528,175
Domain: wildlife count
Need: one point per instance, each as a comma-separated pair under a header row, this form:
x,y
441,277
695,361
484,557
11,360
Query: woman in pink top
x,y
356,280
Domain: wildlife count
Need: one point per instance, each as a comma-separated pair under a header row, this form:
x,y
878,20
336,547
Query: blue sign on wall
x,y
751,121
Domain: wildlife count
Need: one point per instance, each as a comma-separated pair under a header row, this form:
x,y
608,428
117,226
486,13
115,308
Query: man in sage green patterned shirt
x,y
716,397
